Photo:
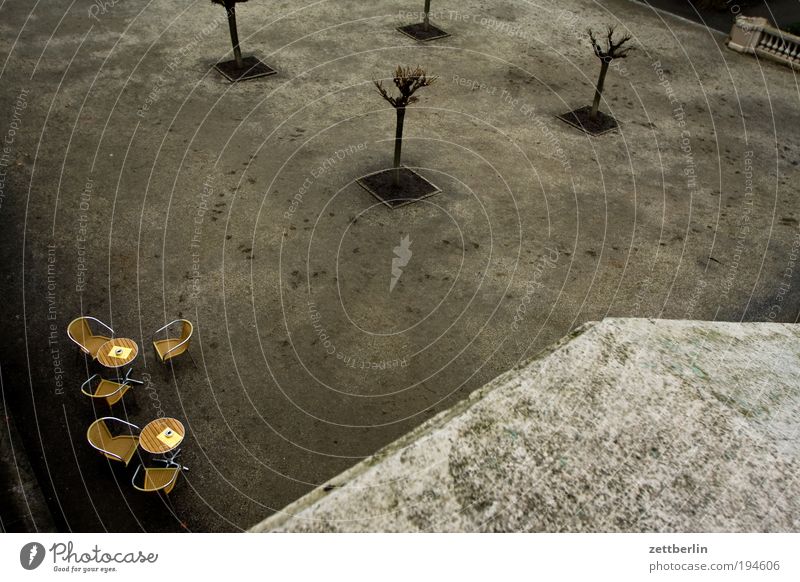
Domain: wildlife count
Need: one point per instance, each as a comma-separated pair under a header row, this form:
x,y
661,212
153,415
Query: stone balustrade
x,y
755,35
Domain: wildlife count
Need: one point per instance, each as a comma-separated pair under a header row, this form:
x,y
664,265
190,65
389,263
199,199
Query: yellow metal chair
x,y
80,331
157,479
111,391
120,447
171,346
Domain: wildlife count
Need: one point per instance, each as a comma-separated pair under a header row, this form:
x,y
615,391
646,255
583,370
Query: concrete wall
x,y
630,425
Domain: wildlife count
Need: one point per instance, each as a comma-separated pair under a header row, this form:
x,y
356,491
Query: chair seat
x,y
93,343
164,346
158,479
124,446
108,390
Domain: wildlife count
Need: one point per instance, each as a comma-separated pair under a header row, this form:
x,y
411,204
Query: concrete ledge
x,y
627,425
428,427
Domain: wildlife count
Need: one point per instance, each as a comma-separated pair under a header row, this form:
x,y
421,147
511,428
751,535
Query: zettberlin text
x,y
673,549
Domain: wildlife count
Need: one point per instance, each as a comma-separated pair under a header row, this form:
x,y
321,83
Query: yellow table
x,y
155,438
117,352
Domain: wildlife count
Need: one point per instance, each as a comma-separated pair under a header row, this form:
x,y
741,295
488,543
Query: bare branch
x,y
614,49
407,80
384,94
595,46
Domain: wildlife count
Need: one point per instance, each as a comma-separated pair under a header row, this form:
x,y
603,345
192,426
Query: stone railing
x,y
756,36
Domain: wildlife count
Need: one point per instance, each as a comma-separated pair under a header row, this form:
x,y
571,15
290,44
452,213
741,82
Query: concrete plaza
x,y
140,186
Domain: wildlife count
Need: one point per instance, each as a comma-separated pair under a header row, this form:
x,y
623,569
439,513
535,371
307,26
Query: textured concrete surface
x,y
142,186
632,425
22,505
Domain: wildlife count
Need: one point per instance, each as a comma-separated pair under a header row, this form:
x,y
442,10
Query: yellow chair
x,y
79,331
168,348
115,447
111,391
158,479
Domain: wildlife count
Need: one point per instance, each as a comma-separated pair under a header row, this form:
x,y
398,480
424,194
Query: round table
x,y
149,437
117,352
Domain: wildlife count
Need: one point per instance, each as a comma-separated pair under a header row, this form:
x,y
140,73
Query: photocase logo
x,y
403,255
31,555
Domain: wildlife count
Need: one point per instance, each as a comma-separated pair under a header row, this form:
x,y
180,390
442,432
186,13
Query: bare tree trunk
x,y
598,92
237,52
398,143
426,19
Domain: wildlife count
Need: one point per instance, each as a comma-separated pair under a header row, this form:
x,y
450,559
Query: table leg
x,y
128,378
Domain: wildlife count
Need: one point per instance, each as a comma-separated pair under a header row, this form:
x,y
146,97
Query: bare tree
x,y
230,8
407,81
612,50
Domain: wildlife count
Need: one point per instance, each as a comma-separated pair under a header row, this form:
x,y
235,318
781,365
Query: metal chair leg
x,y
131,380
171,462
166,367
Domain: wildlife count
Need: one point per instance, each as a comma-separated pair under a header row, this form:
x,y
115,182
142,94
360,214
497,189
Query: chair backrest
x,y
109,387
186,329
173,346
79,331
100,438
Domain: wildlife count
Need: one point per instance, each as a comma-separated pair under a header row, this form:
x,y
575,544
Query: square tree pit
x,y
252,69
412,188
421,32
580,119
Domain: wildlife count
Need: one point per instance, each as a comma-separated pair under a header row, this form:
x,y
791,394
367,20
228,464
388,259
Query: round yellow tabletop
x,y
117,352
161,435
